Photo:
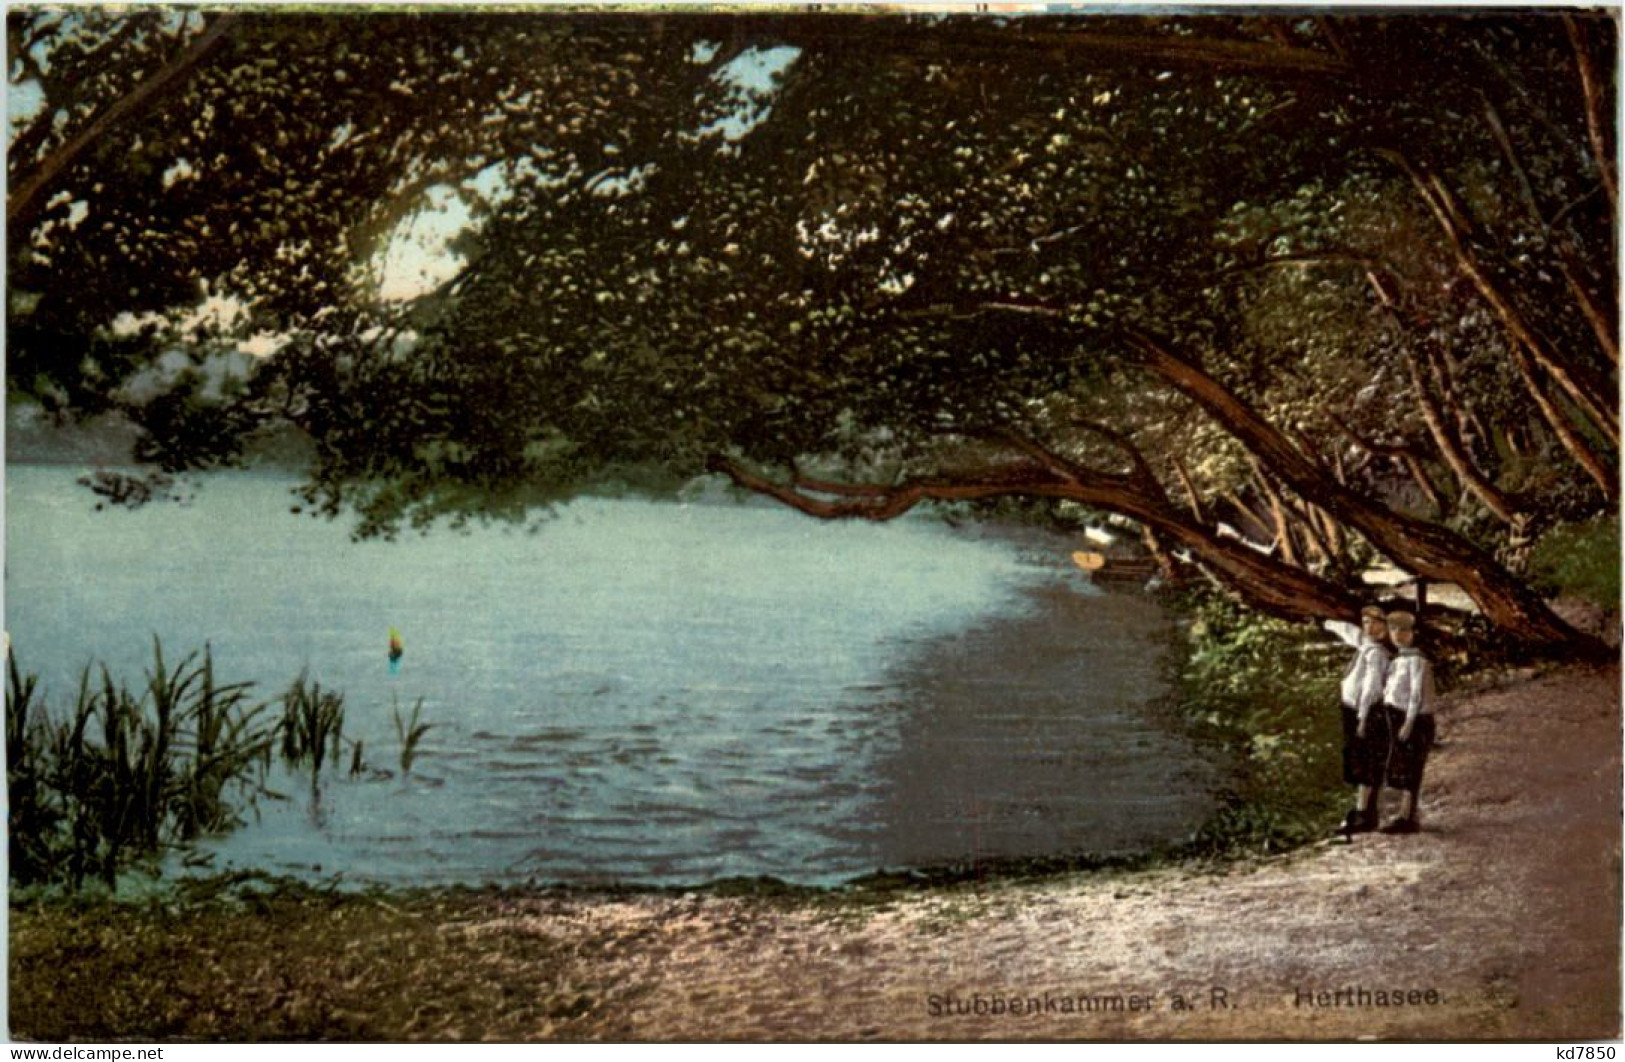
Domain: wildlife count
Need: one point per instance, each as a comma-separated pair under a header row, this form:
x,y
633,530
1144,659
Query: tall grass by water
x,y
312,725
410,732
131,773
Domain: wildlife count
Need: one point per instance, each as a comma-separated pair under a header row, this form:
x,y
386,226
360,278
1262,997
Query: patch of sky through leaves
x,y
420,255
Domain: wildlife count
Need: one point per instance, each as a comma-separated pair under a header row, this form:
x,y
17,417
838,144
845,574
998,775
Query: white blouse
x,y
1410,684
1364,680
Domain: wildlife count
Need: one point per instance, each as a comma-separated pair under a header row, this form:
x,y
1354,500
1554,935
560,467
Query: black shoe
x,y
1405,825
1357,821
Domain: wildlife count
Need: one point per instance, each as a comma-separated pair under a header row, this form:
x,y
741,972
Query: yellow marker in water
x,y
396,651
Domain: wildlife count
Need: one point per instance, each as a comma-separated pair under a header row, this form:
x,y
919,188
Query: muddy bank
x,y
1503,915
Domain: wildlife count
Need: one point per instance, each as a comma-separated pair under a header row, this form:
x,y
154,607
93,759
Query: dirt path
x,y
1506,908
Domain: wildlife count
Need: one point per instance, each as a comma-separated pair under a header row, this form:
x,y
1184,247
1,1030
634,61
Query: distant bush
x,y
1580,560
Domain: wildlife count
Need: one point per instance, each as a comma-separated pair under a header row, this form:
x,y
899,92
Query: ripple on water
x,y
759,694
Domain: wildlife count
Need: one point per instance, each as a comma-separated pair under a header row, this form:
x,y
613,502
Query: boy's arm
x,y
1348,632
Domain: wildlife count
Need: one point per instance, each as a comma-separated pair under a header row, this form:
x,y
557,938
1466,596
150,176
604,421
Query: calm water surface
x,y
633,690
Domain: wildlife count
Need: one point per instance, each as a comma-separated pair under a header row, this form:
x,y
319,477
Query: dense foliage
x,y
1581,561
1335,286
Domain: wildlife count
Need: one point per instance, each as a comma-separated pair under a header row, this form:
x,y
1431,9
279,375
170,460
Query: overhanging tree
x,y
919,266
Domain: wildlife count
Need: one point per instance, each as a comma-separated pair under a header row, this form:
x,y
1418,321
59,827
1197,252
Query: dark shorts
x,y
1408,759
1365,758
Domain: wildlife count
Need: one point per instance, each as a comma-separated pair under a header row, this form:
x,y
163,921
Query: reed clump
x,y
128,773
409,731
312,726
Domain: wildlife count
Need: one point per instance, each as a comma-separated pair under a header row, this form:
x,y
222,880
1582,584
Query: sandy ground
x,y
1506,908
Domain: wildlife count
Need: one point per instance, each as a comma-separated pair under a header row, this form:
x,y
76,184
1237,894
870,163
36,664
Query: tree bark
x,y
1421,548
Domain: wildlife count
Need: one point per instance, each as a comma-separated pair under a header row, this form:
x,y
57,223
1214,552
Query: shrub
x,y
1580,560
1267,690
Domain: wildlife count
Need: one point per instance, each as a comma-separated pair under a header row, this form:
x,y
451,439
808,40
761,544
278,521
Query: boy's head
x,y
1403,626
1373,622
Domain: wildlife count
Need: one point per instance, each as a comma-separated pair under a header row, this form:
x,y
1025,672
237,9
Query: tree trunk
x,y
1598,118
1450,446
1283,530
1589,392
1469,425
1584,454
1153,545
1245,511
1421,548
1334,534
1600,320
1305,517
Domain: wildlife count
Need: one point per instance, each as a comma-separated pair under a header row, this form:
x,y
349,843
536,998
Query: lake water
x,y
632,690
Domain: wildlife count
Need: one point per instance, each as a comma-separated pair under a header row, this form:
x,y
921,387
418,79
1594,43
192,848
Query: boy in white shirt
x,y
1365,729
1408,704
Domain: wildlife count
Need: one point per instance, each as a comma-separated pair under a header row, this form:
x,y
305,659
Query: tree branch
x,y
1596,112
1421,547
1588,394
880,503
1492,118
1264,581
1190,488
24,198
1143,474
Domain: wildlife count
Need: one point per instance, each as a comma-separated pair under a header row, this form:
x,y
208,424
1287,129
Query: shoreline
x,y
1506,906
